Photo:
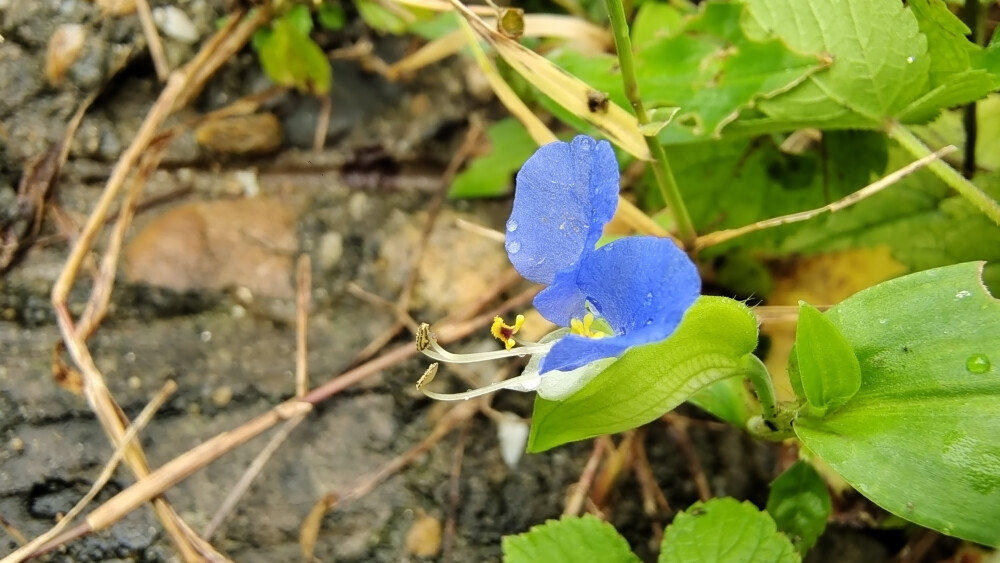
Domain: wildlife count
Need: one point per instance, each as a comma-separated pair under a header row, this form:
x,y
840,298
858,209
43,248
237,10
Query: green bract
x,y
919,437
709,345
827,370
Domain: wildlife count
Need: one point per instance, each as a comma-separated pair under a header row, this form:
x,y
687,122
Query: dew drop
x,y
512,225
963,294
978,363
648,300
910,59
513,247
883,321
649,322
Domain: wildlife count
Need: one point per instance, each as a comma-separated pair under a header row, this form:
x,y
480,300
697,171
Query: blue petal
x,y
562,300
566,193
641,286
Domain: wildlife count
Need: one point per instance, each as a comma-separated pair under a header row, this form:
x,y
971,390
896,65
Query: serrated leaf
x,y
947,45
709,345
709,68
489,175
827,367
569,540
919,437
725,529
800,504
880,59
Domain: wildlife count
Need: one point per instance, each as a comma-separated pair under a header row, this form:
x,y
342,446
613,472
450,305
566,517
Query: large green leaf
x,y
708,67
890,61
725,530
920,436
709,345
569,540
800,504
880,59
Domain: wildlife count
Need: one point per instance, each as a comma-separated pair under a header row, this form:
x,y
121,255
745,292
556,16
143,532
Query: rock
x,y
258,133
175,24
63,50
216,245
331,250
423,539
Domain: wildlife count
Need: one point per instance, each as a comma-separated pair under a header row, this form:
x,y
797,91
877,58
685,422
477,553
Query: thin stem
x,y
971,15
440,354
661,166
952,177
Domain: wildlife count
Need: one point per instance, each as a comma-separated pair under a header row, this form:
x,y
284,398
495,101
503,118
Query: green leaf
x,y
725,529
709,68
569,540
709,345
380,18
653,21
880,59
920,436
800,505
291,58
331,16
827,367
920,219
947,45
489,175
730,400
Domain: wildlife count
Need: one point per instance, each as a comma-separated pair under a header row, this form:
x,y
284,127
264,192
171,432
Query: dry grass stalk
x,y
581,490
654,502
179,87
613,470
156,51
719,237
303,279
677,428
109,470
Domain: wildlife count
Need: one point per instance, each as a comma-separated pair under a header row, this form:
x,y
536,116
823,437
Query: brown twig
x,y
678,432
12,531
109,470
156,51
654,502
303,278
579,493
322,122
613,471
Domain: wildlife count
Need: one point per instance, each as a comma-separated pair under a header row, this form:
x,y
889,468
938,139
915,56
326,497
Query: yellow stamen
x,y
504,332
585,327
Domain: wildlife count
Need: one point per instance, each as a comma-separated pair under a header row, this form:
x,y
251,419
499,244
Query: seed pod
x,y
64,49
511,22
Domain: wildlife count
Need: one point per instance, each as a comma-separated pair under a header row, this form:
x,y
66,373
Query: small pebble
x,y
222,395
63,50
331,250
424,537
17,444
175,24
134,382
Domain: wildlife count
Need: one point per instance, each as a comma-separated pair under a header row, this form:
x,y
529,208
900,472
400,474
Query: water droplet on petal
x,y
649,299
978,363
512,225
649,322
513,247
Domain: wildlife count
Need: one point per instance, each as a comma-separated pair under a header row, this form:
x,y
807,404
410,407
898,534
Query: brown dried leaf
x,y
259,133
309,532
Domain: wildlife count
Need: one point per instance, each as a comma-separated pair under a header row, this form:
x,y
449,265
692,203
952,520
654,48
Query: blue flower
x,y
627,293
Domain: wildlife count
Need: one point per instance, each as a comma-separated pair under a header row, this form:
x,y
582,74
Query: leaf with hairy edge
x,y
725,529
709,345
919,438
569,540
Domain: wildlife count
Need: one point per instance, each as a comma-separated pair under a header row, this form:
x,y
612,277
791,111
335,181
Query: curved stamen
x,y
435,351
527,382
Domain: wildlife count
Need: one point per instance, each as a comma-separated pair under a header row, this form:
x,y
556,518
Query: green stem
x,y
952,177
661,166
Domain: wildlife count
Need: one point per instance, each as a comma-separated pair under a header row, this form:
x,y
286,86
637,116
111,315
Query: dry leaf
x,y
258,133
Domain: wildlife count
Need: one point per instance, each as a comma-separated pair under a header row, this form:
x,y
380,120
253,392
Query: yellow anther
x,y
585,327
504,332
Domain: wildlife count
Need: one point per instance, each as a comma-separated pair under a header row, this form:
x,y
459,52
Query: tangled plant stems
x,y
607,299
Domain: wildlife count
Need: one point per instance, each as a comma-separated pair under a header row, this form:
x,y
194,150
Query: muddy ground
x,y
205,298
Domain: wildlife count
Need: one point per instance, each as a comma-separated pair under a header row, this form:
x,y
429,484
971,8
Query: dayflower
x,y
627,293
